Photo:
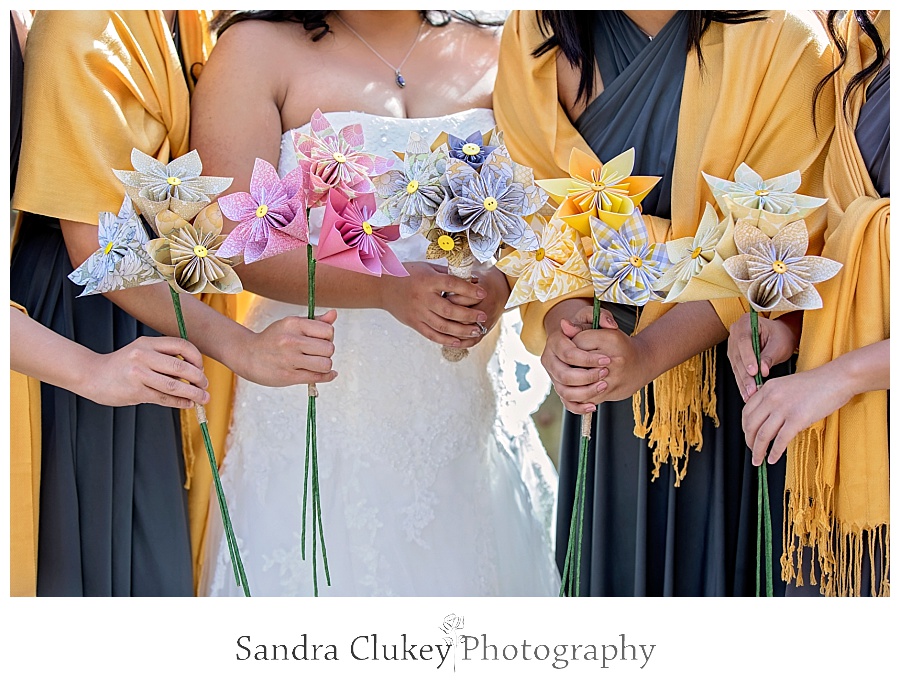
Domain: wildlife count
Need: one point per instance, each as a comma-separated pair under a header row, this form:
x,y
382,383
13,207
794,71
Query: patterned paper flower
x,y
472,150
178,186
453,247
336,160
690,255
186,254
271,218
410,196
558,266
121,261
350,241
775,274
491,205
751,197
607,191
625,264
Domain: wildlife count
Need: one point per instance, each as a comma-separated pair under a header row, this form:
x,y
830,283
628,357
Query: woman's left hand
x,y
493,304
784,406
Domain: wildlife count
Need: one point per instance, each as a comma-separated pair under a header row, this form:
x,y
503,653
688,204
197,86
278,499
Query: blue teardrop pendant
x,y
401,82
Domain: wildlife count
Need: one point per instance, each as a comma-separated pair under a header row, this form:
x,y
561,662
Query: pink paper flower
x,y
336,161
349,240
271,218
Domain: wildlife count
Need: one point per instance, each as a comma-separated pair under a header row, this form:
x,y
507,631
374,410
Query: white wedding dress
x,y
433,479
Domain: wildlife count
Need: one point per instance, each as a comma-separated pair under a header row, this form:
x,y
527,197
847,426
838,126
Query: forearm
x,y
863,370
685,331
45,355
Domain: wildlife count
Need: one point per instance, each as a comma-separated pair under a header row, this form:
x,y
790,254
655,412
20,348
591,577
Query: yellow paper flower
x,y
185,253
606,191
557,267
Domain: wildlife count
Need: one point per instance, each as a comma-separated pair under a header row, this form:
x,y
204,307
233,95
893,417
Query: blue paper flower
x,y
471,150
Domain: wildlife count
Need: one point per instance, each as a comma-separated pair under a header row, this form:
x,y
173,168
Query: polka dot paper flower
x,y
121,261
775,274
625,265
558,266
271,218
336,160
491,205
751,197
178,186
411,195
606,191
350,241
186,254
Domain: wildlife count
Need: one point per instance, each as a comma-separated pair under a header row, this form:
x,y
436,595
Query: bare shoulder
x,y
480,43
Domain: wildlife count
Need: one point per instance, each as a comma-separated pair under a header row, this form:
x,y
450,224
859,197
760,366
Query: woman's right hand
x,y
778,339
417,302
290,351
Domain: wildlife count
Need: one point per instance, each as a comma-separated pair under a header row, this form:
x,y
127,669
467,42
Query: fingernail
x,y
205,398
482,317
601,386
603,360
480,293
604,372
475,333
591,408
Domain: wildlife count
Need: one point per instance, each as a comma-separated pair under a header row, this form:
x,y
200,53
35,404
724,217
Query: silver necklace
x,y
398,77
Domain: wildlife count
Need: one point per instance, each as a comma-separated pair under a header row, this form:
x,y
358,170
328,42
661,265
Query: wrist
x,y
236,350
85,374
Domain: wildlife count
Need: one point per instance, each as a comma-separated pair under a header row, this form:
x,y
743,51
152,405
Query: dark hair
x,y
858,79
572,32
315,21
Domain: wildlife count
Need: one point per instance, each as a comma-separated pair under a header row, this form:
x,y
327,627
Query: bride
x,y
433,480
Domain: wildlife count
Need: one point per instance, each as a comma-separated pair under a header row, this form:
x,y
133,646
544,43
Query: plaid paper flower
x,y
625,265
336,160
271,218
606,191
186,254
751,197
558,266
350,241
410,196
178,186
491,204
121,261
775,274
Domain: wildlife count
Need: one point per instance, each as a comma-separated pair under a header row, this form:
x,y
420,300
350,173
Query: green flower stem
x,y
240,575
763,511
571,580
311,465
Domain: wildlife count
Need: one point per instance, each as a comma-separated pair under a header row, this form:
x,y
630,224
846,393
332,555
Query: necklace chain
x,y
398,77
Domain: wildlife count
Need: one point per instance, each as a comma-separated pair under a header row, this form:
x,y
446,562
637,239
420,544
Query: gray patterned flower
x,y
410,197
775,274
178,186
121,261
491,204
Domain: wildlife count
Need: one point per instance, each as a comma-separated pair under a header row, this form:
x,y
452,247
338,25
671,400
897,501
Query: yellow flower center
x,y
490,204
200,251
173,181
108,248
779,267
340,158
262,210
412,187
762,192
539,256
367,228
471,149
446,242
696,253
598,187
636,261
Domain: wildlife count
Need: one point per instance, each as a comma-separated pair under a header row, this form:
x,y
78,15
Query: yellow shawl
x,y
752,102
838,480
24,480
98,84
